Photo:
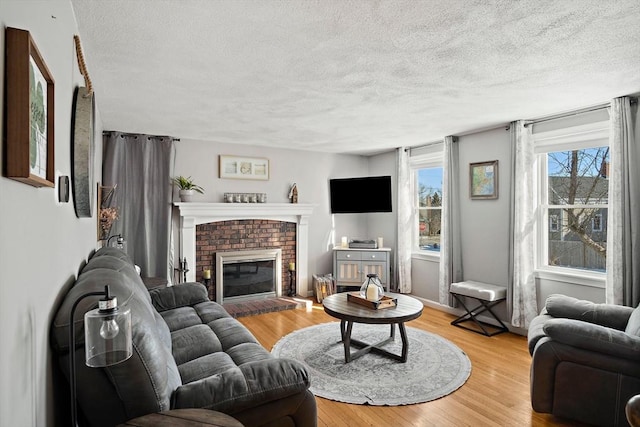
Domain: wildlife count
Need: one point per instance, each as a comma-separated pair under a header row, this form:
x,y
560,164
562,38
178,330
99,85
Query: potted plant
x,y
187,188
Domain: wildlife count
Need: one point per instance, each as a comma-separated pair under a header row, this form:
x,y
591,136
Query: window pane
x,y
578,176
429,229
577,236
576,243
429,206
429,187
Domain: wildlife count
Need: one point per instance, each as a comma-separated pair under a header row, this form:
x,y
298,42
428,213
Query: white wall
x,y
484,223
42,243
310,170
384,224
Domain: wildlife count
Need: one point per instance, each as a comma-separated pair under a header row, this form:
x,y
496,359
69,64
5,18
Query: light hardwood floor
x,y
496,393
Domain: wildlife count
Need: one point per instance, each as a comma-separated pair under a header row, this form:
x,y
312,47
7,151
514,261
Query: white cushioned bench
x,y
488,296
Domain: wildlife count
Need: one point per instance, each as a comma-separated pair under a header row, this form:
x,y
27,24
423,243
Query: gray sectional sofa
x,y
585,360
187,353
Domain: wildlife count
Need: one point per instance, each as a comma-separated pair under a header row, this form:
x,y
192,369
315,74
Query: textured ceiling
x,y
358,76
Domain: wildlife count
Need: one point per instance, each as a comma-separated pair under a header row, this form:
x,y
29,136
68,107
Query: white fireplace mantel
x,y
192,214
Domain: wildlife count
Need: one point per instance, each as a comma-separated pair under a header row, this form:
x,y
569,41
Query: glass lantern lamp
x,y
372,289
107,335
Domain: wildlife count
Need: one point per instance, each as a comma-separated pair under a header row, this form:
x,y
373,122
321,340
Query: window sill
x,y
426,256
568,275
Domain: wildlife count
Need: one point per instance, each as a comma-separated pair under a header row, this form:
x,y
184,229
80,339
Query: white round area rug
x,y
435,366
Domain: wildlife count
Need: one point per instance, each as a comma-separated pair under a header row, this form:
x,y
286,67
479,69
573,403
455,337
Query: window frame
x,y
579,137
431,156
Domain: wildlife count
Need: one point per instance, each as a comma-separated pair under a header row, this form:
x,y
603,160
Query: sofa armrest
x,y
246,386
593,337
182,295
609,315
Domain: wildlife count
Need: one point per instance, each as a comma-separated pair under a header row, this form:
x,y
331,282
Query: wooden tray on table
x,y
384,302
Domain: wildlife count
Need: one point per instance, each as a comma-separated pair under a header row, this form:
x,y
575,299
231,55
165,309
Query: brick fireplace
x,y
243,236
209,228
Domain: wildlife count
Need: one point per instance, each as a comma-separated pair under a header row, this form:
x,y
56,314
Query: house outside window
x,y
427,171
573,191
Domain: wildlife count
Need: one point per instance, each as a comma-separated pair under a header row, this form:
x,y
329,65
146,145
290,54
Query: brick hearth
x,y
251,308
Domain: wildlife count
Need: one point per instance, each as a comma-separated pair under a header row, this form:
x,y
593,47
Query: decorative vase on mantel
x,y
186,195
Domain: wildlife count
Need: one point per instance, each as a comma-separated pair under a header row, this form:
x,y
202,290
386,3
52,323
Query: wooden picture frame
x,y
236,167
29,138
483,180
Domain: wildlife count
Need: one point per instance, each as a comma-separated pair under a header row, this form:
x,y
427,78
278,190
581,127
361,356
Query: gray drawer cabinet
x,y
351,266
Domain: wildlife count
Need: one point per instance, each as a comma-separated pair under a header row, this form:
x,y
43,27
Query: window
x,y
426,165
574,194
429,202
577,190
596,222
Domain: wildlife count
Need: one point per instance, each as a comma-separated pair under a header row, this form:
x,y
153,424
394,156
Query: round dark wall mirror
x,y
82,152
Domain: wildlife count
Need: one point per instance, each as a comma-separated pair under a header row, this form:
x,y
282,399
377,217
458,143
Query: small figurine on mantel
x,y
293,193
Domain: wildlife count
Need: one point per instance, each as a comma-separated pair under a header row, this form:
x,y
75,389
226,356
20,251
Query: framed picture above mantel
x,y
237,167
29,103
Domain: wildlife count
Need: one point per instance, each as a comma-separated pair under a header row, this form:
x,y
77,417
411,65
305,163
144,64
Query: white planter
x,y
186,195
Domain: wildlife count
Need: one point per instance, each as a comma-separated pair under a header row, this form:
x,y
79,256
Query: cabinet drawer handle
x,y
348,256
373,256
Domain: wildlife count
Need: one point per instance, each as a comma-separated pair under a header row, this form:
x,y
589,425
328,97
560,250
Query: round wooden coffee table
x,y
348,312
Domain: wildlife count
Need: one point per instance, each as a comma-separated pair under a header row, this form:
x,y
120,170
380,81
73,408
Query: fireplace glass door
x,y
249,278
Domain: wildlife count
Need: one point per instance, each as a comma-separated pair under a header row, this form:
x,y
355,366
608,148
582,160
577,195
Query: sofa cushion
x,y
230,332
613,316
536,331
122,266
206,366
193,342
589,336
238,389
183,295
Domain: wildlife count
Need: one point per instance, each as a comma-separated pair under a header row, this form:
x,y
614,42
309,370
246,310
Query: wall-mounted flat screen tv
x,y
360,195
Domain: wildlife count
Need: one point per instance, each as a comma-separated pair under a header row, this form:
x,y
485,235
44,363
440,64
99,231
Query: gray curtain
x,y
450,237
623,228
140,165
522,296
405,212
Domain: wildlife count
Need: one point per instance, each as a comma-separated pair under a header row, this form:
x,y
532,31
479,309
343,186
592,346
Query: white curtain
x,y
523,204
406,226
450,238
623,228
140,165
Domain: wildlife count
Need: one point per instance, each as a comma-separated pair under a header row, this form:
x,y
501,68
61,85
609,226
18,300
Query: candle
x,y
380,242
372,292
292,266
206,274
344,242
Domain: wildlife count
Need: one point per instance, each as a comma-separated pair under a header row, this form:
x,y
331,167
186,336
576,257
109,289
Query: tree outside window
x,y
577,201
429,208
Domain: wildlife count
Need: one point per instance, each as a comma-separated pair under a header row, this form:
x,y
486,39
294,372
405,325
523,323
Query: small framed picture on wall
x,y
483,180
